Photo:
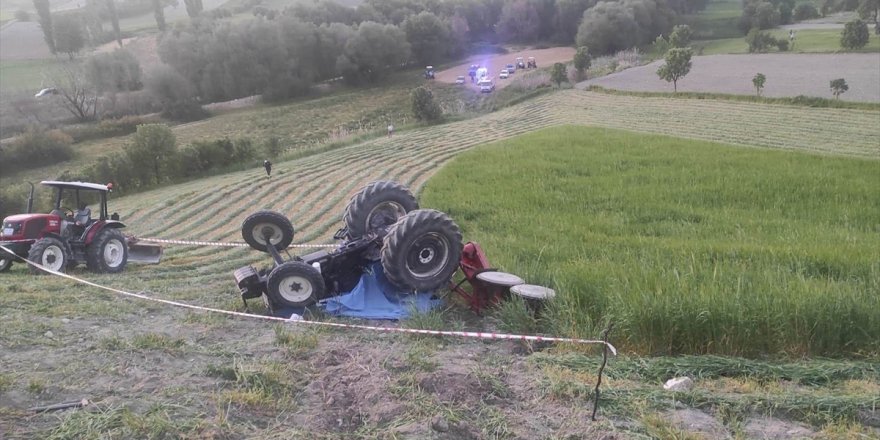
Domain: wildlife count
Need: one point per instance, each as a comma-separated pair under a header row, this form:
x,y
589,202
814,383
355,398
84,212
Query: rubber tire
x,y
360,207
35,254
5,263
294,269
404,238
95,261
273,218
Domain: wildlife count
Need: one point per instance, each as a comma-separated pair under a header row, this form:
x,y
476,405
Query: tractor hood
x,y
24,217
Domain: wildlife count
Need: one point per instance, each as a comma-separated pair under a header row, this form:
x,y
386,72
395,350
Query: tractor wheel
x,y
421,251
108,252
48,252
378,205
5,263
294,284
261,224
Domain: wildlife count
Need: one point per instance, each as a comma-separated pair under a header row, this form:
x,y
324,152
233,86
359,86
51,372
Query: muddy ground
x,y
788,75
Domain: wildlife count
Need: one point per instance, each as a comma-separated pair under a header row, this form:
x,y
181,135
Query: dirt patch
x,y
787,75
544,58
773,429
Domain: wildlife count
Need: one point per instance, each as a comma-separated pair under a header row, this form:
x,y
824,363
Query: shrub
x,y
559,74
838,86
758,81
759,41
176,95
114,72
582,60
423,105
154,150
855,35
805,11
36,147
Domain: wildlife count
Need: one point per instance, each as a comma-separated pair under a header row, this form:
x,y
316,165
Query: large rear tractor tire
x,y
259,225
50,253
421,251
378,205
295,284
108,252
5,263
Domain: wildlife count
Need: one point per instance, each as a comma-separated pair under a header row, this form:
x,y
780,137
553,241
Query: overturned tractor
x,y
419,250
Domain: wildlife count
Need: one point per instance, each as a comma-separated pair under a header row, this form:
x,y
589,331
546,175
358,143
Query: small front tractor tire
x,y
108,252
421,251
262,223
378,205
5,263
295,284
50,253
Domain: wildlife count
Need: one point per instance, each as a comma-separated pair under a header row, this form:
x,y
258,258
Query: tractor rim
x,y
53,258
295,289
113,253
385,214
261,230
428,255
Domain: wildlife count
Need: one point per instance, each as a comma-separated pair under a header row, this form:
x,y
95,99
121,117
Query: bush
x,y
855,35
114,72
153,149
34,148
805,11
176,95
760,41
423,105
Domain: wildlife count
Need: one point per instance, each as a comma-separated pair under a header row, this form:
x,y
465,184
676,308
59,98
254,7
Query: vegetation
x,y
424,107
69,35
668,247
45,19
805,11
806,41
855,35
582,60
681,36
760,41
35,147
559,74
838,87
799,101
758,81
678,64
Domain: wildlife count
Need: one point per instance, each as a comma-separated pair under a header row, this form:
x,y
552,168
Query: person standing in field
x,y
268,166
390,130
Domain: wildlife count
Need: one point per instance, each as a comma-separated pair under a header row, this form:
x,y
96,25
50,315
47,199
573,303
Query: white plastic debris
x,y
679,384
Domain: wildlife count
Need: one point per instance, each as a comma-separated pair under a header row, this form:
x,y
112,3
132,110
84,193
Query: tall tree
x,y
519,21
428,37
69,35
114,18
678,64
160,14
42,7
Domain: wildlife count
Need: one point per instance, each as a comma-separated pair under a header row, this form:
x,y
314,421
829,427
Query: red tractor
x,y
64,238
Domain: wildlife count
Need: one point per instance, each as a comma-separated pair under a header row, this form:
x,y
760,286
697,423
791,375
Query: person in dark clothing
x,y
268,166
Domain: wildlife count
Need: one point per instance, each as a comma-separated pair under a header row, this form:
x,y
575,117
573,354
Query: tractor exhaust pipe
x,y
30,199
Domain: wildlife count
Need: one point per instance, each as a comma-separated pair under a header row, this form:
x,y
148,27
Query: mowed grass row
x,y
688,246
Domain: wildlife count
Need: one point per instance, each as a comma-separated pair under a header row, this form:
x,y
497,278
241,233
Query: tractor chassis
x,y
340,267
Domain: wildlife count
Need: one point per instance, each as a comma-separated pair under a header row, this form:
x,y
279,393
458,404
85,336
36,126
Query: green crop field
x,y
690,246
806,41
17,75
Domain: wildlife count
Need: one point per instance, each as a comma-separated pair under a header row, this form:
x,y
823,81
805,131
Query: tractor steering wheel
x,y
67,211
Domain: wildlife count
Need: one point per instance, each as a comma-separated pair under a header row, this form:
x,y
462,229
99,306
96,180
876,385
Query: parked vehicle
x,y
504,74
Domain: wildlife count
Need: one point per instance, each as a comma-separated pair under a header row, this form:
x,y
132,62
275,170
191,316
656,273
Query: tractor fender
x,y
99,226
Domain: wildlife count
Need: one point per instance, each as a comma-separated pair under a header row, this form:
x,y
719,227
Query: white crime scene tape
x,y
463,334
221,243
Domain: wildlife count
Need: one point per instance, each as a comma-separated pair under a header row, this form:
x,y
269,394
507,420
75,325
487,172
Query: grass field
x,y
691,247
718,20
23,74
806,41
156,372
